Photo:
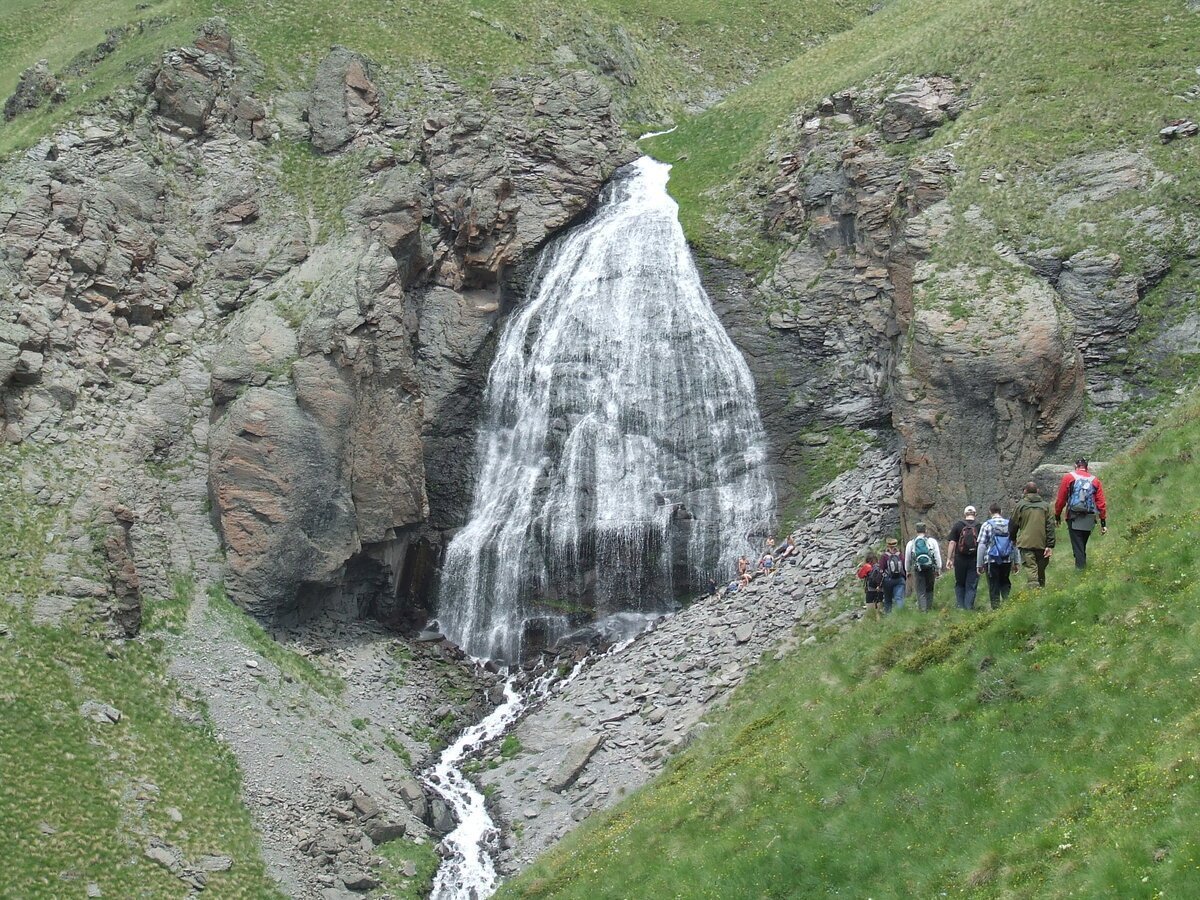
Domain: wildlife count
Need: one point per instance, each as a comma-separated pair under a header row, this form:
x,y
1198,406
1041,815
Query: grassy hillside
x,y
1048,749
81,800
674,52
1047,80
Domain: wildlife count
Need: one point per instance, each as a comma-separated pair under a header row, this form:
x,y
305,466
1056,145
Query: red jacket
x,y
1064,493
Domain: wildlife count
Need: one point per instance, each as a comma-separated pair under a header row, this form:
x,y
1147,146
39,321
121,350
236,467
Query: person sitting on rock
x,y
872,576
788,550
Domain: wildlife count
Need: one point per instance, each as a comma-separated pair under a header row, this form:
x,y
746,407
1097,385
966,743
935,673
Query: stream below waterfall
x,y
467,871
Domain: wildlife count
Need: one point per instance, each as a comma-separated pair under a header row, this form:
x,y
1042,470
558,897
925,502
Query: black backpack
x,y
895,565
875,579
968,540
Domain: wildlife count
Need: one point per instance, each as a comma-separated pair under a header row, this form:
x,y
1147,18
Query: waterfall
x,y
621,458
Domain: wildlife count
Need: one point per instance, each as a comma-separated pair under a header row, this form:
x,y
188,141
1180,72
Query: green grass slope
x,y
79,800
1049,749
1047,80
674,52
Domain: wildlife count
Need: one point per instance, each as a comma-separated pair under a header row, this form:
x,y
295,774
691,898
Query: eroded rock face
x,y
310,394
980,399
385,367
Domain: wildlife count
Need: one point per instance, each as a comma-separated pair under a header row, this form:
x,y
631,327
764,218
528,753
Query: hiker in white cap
x,y
960,553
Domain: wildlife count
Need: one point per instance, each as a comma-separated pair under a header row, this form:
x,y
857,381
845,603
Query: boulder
x,y
342,101
574,763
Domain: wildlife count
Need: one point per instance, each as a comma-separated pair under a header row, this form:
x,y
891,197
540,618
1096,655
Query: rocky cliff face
x,y
976,372
309,360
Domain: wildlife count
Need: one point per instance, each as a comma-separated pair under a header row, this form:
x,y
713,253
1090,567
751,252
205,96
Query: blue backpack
x,y
1000,548
1083,495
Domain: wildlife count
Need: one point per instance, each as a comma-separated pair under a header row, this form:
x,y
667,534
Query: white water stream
x,y
467,871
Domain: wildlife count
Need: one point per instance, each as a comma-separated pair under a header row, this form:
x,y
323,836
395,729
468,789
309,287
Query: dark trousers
x,y
1035,562
999,582
966,581
924,582
1079,541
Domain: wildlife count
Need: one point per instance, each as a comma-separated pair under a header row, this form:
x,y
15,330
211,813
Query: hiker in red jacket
x,y
1081,496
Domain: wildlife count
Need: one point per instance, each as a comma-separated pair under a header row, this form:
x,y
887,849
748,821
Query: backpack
x,y
1000,550
1083,495
875,579
968,540
922,555
895,565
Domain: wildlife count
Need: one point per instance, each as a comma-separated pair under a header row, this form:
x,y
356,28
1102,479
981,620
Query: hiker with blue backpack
x,y
923,559
997,555
1081,496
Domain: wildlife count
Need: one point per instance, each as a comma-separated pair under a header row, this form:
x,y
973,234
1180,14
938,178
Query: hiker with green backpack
x,y
923,559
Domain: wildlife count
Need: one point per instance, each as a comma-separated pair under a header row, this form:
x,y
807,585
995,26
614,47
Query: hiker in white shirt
x,y
923,560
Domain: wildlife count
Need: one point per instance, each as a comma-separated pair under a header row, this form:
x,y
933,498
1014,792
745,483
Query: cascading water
x,y
621,459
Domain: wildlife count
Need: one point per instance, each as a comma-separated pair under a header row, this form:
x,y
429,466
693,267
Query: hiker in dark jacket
x,y
1033,522
894,577
960,553
997,555
1081,496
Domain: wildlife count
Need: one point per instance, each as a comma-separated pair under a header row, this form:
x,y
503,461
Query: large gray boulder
x,y
343,99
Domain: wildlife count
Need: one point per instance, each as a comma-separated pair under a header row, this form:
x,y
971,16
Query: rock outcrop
x,y
863,331
36,85
336,429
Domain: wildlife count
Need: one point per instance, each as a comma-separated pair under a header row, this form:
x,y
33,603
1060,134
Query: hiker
x,y
872,575
1081,496
743,566
1034,527
997,554
964,541
923,559
894,576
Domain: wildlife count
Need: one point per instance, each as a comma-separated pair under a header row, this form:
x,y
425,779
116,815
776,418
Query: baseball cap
x,y
970,511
